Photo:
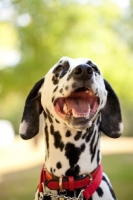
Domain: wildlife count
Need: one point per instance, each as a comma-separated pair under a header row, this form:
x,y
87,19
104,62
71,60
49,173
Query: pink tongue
x,y
79,105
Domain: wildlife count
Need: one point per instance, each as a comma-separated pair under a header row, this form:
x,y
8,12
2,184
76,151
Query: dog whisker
x,y
36,97
59,54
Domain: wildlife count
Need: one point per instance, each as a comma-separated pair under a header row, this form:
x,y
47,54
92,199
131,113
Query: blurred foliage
x,y
125,29
42,31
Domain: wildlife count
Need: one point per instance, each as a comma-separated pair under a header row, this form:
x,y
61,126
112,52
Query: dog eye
x,y
95,69
58,69
63,67
66,66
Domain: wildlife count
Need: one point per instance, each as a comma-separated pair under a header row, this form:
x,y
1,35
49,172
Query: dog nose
x,y
82,71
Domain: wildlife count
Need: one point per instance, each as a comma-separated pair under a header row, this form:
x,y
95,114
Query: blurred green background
x,y
35,34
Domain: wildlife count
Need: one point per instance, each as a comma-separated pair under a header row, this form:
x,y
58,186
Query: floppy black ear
x,y
111,120
29,126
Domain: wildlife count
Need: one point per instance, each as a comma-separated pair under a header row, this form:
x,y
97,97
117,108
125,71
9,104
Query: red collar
x,y
89,183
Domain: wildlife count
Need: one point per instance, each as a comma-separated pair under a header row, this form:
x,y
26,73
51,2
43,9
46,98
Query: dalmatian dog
x,y
76,104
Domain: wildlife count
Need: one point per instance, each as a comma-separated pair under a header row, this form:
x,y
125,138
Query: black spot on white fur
x,y
59,165
89,133
55,80
61,69
47,137
99,191
49,116
57,121
55,89
58,143
73,171
61,91
53,98
74,85
98,157
94,148
68,133
78,135
45,115
73,153
110,188
66,88
85,134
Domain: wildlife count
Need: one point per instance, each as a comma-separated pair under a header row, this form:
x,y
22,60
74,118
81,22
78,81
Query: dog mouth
x,y
82,103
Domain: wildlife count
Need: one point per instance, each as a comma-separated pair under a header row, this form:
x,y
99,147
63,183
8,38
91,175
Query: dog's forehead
x,y
72,62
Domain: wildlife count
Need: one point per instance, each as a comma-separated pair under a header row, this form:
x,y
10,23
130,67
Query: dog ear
x,y
111,120
29,126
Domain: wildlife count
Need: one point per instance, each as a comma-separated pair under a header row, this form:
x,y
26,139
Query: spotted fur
x,y
72,138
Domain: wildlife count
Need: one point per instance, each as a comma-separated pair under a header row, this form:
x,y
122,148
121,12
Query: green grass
x,y
22,185
119,168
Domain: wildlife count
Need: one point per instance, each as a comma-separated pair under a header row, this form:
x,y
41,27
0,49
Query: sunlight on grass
x,y
120,171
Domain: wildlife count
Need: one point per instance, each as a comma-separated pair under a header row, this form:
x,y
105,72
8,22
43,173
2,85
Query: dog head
x,y
74,92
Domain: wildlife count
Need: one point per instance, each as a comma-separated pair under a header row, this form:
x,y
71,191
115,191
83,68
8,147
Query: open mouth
x,y
82,103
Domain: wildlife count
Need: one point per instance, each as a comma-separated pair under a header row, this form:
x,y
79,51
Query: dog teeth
x,y
65,108
75,114
89,92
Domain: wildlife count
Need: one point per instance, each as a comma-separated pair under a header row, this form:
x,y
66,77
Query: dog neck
x,y
69,152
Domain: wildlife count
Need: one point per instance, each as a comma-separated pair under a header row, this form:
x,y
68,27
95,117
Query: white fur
x,y
23,127
121,127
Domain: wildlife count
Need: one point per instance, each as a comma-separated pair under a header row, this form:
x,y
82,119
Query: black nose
x,y
82,71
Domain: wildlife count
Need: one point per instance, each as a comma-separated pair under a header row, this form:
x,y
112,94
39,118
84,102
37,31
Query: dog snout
x,y
82,71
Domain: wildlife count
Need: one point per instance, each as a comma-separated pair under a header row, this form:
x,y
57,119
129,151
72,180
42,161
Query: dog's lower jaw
x,y
80,126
